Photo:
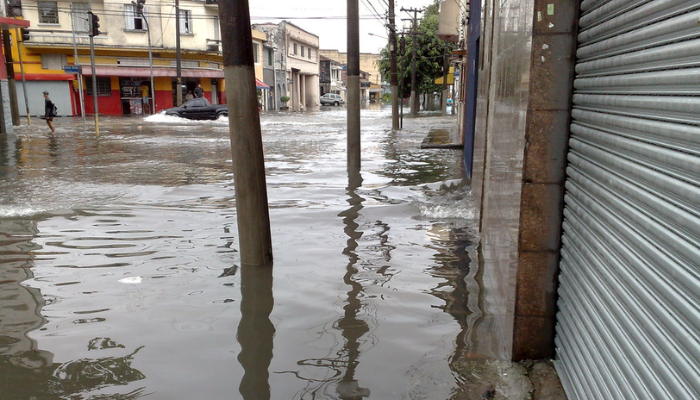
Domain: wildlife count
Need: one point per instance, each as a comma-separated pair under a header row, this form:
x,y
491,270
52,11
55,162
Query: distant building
x,y
370,77
294,70
331,77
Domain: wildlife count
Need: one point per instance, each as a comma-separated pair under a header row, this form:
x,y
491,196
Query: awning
x,y
260,84
11,23
157,71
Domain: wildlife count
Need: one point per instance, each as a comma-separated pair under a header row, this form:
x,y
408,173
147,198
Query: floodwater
x,y
120,276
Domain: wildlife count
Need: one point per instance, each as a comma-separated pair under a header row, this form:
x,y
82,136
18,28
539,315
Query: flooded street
x,y
120,277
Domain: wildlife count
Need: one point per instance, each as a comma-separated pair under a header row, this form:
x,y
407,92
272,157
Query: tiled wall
x,y
523,107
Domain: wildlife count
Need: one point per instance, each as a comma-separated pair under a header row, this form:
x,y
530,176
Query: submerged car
x,y
198,109
331,99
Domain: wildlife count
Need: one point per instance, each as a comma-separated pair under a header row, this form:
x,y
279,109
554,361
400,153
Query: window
x,y
104,86
48,12
295,49
309,53
270,56
133,20
302,51
256,50
80,16
53,61
186,22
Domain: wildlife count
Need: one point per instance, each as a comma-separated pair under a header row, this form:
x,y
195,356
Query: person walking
x,y
199,91
49,111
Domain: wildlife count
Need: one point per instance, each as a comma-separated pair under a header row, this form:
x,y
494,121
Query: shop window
x,y
133,20
104,86
48,12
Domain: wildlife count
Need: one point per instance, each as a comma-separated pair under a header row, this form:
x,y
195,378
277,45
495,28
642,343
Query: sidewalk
x,y
439,138
503,380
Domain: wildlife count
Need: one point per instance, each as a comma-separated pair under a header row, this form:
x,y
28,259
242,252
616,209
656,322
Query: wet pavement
x,y
119,268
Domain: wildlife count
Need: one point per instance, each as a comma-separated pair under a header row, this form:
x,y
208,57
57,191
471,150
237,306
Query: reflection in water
x,y
125,240
25,371
256,331
352,327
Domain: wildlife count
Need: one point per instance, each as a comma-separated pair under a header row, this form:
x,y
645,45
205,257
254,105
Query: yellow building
x,y
56,55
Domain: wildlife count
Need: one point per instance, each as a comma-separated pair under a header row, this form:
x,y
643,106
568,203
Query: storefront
x,y
134,92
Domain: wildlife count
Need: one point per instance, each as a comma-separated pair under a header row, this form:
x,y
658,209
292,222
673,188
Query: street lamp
x,y
379,36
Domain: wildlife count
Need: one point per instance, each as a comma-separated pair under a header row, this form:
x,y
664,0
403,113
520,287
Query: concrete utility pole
x,y
353,86
178,59
14,105
414,46
394,80
246,138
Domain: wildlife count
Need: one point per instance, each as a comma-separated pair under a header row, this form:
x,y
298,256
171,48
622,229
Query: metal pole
x,y
178,60
24,82
443,97
246,136
94,82
353,88
394,80
80,71
150,63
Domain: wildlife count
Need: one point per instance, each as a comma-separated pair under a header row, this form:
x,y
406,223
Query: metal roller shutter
x,y
629,299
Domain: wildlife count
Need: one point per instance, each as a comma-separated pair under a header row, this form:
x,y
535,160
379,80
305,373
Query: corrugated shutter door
x,y
629,307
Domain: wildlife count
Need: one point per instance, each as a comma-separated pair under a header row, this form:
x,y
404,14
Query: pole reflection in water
x,y
352,327
256,331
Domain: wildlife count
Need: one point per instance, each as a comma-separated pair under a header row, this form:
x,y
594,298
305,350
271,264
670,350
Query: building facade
x,y
295,64
58,44
331,77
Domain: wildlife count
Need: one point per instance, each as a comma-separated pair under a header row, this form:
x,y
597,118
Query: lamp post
x,y
178,59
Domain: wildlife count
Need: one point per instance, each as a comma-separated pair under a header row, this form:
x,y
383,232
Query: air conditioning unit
x,y
213,44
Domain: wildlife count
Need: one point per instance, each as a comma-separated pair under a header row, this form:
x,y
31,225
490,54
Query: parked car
x,y
331,99
198,109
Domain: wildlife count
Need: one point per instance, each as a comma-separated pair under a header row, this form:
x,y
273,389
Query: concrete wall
x,y
525,81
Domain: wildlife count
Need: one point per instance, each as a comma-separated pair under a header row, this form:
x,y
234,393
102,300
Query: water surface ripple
x,y
119,273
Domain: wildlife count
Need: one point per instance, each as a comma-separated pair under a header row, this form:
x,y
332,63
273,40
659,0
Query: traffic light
x,y
25,34
14,8
139,6
94,24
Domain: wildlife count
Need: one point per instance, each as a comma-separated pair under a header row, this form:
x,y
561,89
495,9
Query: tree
x,y
430,53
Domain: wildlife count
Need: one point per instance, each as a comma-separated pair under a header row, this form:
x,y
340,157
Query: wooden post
x,y
246,137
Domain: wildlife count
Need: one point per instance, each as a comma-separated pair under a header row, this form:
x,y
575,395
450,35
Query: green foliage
x,y
430,52
284,99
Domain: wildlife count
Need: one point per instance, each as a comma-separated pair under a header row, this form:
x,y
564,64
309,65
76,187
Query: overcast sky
x,y
326,19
